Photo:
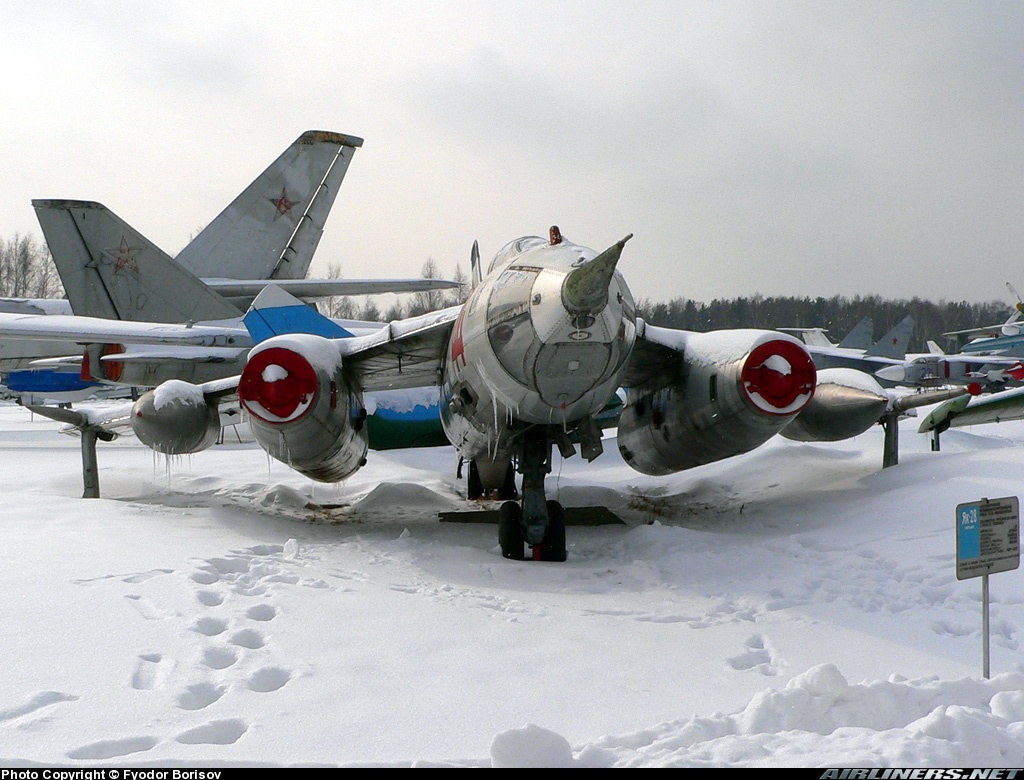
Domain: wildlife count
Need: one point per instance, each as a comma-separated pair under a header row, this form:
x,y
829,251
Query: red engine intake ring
x,y
779,377
277,385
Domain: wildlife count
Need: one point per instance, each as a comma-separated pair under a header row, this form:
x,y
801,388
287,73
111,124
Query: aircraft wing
x,y
112,419
871,362
658,358
407,353
325,288
95,330
400,354
959,412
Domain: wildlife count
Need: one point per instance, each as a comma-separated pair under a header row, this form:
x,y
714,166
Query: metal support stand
x,y
984,626
90,468
891,447
89,433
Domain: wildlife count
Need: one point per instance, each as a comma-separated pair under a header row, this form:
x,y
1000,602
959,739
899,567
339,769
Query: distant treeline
x,y
838,315
27,271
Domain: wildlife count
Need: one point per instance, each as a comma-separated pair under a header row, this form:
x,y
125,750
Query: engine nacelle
x,y
302,409
175,419
846,403
737,390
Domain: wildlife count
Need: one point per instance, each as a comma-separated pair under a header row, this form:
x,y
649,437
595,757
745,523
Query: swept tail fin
x,y
894,343
272,229
860,336
476,273
110,270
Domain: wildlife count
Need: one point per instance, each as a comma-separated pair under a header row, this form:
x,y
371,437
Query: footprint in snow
x,y
216,732
113,748
151,671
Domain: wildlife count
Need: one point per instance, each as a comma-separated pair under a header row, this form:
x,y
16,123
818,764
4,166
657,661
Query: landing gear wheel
x,y
510,531
474,487
554,539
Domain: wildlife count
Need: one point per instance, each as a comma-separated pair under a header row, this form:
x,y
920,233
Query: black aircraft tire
x,y
510,531
554,541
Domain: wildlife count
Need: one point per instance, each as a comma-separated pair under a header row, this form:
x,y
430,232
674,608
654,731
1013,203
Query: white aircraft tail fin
x,y
934,349
272,229
110,270
812,337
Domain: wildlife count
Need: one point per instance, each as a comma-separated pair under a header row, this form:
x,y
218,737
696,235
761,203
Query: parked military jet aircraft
x,y
541,345
993,358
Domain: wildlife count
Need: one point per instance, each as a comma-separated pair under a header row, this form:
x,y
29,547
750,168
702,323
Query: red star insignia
x,y
124,257
282,204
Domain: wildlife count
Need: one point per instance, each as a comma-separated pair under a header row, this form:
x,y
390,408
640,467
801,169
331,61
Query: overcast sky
x,y
782,148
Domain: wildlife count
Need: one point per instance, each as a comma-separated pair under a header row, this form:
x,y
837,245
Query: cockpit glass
x,y
514,248
510,295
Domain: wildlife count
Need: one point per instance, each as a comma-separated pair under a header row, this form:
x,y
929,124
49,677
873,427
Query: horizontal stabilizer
x,y
93,330
325,288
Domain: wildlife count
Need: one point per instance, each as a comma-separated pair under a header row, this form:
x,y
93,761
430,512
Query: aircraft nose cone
x,y
892,373
585,289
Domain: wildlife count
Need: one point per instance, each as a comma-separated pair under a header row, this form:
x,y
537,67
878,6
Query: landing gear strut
x,y
535,521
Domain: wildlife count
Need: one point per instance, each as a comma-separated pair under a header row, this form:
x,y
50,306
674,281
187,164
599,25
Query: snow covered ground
x,y
796,606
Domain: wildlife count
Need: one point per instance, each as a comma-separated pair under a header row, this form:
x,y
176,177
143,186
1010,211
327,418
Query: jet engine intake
x,y
174,418
737,390
302,410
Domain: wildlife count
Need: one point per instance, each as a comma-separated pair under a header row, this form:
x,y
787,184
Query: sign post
x,y
987,542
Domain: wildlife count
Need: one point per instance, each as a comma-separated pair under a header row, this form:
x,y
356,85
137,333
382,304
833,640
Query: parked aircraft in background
x,y
109,270
1010,328
889,350
973,410
993,358
858,338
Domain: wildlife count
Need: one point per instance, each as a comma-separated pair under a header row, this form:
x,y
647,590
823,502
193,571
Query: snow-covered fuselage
x,y
522,353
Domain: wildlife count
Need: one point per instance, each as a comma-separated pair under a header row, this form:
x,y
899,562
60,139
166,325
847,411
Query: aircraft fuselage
x,y
522,352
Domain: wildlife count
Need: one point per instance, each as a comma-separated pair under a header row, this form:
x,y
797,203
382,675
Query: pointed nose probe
x,y
585,290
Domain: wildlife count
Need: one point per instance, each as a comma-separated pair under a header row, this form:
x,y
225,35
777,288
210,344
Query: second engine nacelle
x,y
736,390
846,403
175,419
302,409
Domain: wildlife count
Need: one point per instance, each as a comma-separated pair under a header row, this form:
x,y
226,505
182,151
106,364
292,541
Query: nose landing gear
x,y
535,521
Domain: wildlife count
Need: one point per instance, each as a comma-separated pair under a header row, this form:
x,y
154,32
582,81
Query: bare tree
x,y
458,295
340,307
428,300
27,270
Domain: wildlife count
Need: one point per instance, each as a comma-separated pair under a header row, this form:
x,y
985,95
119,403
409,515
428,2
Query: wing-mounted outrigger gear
x,y
89,434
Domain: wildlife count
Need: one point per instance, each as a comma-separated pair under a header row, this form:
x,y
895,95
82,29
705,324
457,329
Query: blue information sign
x,y
987,537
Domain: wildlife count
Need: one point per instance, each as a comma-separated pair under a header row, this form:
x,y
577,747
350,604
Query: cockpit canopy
x,y
514,249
